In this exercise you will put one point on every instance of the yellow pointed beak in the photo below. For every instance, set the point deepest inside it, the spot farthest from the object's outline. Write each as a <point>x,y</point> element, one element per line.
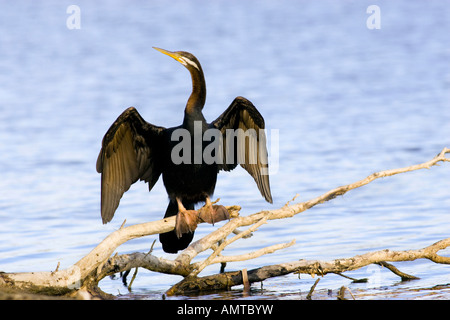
<point>174,55</point>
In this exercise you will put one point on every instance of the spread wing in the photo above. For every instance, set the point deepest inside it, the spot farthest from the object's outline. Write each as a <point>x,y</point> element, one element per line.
<point>130,150</point>
<point>244,142</point>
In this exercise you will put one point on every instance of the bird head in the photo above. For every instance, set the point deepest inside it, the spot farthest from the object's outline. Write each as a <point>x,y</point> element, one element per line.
<point>185,58</point>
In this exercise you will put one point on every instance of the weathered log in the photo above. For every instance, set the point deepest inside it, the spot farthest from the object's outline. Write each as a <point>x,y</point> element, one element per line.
<point>226,280</point>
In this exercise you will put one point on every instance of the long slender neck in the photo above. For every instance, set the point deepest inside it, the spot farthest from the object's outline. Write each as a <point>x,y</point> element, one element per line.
<point>197,98</point>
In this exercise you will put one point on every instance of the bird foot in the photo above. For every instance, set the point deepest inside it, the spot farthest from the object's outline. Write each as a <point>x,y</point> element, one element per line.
<point>186,221</point>
<point>213,213</point>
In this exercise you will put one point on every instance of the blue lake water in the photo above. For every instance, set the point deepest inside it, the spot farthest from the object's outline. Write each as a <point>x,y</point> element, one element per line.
<point>346,101</point>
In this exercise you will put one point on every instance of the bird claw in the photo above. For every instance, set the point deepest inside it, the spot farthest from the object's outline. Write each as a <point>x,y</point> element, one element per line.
<point>186,221</point>
<point>213,213</point>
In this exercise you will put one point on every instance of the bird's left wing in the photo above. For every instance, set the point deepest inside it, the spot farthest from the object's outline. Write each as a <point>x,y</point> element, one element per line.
<point>130,151</point>
<point>244,142</point>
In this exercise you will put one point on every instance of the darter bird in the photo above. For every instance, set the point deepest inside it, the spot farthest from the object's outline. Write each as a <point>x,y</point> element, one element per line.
<point>133,149</point>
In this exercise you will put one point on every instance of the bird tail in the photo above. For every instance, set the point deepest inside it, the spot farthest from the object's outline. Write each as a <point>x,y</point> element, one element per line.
<point>169,240</point>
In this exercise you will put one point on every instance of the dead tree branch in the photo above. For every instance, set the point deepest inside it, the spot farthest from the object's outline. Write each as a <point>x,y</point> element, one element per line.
<point>312,267</point>
<point>86,273</point>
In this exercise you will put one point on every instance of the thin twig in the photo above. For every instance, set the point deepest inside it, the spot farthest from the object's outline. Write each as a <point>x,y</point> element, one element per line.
<point>354,280</point>
<point>151,248</point>
<point>402,275</point>
<point>308,297</point>
<point>245,281</point>
<point>341,294</point>
<point>132,278</point>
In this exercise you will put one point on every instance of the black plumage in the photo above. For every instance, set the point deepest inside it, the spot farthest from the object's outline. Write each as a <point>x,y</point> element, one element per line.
<point>133,149</point>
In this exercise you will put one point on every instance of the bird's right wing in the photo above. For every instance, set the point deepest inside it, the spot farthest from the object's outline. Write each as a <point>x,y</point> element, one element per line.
<point>251,151</point>
<point>130,151</point>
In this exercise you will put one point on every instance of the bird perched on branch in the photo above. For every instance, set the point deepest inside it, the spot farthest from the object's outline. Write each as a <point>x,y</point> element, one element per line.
<point>133,149</point>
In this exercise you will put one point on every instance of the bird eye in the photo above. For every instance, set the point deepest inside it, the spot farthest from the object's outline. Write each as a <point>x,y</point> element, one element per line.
<point>187,61</point>
<point>183,61</point>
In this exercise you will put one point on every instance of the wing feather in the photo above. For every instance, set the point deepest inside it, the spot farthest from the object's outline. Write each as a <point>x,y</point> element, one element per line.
<point>130,151</point>
<point>249,146</point>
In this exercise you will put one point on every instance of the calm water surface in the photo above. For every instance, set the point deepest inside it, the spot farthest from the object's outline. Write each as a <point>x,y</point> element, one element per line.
<point>347,101</point>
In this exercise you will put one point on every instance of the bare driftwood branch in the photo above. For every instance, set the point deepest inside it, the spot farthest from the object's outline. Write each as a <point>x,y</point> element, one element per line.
<point>311,267</point>
<point>86,273</point>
